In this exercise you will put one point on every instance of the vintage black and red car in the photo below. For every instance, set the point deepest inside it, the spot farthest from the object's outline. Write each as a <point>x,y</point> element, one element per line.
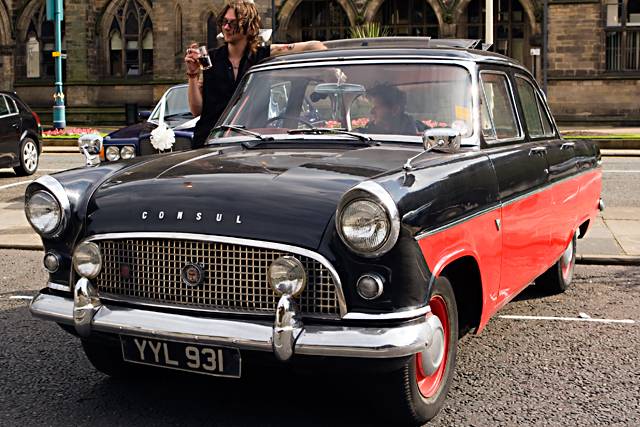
<point>429,188</point>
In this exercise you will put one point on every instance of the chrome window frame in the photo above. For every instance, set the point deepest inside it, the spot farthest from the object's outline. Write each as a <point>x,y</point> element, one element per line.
<point>469,65</point>
<point>516,114</point>
<point>540,102</point>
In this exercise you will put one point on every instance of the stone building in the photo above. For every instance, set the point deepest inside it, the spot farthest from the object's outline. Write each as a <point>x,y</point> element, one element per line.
<point>130,51</point>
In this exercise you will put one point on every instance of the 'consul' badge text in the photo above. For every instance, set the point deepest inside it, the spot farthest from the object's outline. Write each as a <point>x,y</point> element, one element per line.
<point>195,216</point>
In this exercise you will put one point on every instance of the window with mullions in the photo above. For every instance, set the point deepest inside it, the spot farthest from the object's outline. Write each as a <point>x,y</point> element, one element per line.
<point>622,35</point>
<point>321,20</point>
<point>41,44</point>
<point>408,18</point>
<point>131,41</point>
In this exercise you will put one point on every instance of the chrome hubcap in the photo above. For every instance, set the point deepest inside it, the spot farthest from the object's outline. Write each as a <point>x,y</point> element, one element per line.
<point>433,355</point>
<point>30,156</point>
<point>566,263</point>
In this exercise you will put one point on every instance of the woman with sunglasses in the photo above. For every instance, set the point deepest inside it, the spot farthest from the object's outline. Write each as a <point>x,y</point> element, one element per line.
<point>239,23</point>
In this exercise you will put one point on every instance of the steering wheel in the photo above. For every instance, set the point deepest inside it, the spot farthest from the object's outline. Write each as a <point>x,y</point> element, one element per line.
<point>297,119</point>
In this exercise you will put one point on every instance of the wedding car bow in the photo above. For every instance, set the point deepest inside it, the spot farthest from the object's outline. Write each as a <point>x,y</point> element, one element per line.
<point>162,137</point>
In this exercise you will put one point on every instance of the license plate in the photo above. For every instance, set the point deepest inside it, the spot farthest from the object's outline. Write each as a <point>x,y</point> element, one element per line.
<point>202,359</point>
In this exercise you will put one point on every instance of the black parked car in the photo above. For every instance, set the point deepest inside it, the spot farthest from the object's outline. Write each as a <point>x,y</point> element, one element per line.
<point>20,133</point>
<point>428,190</point>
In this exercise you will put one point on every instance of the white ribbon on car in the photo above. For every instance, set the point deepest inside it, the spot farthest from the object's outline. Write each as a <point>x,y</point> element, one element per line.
<point>162,137</point>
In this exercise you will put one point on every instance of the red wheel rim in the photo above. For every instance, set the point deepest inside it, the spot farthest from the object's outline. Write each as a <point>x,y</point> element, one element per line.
<point>429,384</point>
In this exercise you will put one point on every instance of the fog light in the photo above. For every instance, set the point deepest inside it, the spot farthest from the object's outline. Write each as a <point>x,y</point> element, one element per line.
<point>87,260</point>
<point>127,152</point>
<point>287,276</point>
<point>370,286</point>
<point>51,262</point>
<point>112,153</point>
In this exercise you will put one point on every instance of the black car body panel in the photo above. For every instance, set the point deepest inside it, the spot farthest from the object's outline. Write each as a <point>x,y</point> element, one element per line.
<point>15,126</point>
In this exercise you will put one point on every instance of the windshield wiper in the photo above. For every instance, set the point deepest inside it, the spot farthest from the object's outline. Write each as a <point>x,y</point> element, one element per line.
<point>184,113</point>
<point>340,131</point>
<point>241,129</point>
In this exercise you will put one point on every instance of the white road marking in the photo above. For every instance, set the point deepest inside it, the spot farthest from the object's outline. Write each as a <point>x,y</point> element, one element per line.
<point>621,171</point>
<point>52,170</point>
<point>15,184</point>
<point>570,319</point>
<point>22,297</point>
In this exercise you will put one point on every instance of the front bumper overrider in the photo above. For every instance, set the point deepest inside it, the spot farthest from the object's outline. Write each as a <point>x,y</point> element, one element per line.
<point>287,337</point>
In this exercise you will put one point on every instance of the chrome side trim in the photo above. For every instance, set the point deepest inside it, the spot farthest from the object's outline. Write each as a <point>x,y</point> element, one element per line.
<point>459,221</point>
<point>381,195</point>
<point>516,199</point>
<point>238,241</point>
<point>58,287</point>
<point>58,191</point>
<point>398,315</point>
<point>326,340</point>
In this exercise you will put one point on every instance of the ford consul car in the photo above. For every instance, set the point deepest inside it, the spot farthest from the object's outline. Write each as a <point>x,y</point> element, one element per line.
<point>427,187</point>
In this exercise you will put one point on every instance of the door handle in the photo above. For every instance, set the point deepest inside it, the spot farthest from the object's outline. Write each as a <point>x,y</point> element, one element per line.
<point>15,125</point>
<point>567,145</point>
<point>538,151</point>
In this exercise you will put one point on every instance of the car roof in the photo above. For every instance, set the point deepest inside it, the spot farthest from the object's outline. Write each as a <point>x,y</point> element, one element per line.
<point>424,47</point>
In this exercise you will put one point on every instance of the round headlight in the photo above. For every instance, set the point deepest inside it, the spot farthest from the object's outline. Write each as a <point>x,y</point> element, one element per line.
<point>287,276</point>
<point>43,212</point>
<point>364,225</point>
<point>87,260</point>
<point>127,152</point>
<point>112,153</point>
<point>51,262</point>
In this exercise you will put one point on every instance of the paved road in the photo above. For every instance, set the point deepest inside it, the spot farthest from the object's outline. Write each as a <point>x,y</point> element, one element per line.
<point>517,372</point>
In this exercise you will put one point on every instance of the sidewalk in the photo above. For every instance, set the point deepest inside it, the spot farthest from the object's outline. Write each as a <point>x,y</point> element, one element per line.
<point>614,238</point>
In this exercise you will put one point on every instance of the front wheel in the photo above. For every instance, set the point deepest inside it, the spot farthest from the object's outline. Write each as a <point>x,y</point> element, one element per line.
<point>558,278</point>
<point>29,157</point>
<point>416,394</point>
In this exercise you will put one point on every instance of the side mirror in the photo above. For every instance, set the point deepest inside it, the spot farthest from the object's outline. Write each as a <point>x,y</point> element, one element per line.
<point>90,145</point>
<point>144,115</point>
<point>446,140</point>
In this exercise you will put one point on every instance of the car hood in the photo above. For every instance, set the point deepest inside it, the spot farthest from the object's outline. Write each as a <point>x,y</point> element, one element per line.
<point>280,195</point>
<point>132,131</point>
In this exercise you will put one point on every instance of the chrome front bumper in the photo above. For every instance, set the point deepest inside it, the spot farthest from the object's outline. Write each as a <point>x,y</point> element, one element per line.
<point>90,315</point>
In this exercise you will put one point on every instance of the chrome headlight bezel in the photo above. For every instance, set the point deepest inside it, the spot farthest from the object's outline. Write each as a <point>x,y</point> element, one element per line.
<point>127,152</point>
<point>50,185</point>
<point>374,193</point>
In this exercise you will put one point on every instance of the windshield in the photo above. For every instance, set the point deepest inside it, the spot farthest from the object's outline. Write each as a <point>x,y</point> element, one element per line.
<point>387,101</point>
<point>176,105</point>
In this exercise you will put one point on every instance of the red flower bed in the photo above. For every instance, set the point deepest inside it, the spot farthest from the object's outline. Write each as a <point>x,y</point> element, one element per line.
<point>71,132</point>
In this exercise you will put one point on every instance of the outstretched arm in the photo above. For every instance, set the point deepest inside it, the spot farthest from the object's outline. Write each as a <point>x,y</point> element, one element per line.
<point>277,49</point>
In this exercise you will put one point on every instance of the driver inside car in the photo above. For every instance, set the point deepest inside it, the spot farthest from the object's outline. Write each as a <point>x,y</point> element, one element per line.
<point>388,112</point>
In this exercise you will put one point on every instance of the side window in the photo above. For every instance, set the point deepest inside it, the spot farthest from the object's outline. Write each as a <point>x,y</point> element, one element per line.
<point>534,112</point>
<point>4,109</point>
<point>499,106</point>
<point>13,108</point>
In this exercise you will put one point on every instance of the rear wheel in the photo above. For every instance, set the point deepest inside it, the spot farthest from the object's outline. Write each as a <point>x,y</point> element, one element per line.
<point>558,278</point>
<point>415,394</point>
<point>29,157</point>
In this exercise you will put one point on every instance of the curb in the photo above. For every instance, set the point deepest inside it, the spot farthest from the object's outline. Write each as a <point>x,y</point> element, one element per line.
<point>608,260</point>
<point>22,247</point>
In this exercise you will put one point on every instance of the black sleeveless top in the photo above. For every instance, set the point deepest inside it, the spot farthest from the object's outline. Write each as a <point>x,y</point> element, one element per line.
<point>218,87</point>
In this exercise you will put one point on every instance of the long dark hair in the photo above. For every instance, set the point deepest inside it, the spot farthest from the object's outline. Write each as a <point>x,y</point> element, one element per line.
<point>249,21</point>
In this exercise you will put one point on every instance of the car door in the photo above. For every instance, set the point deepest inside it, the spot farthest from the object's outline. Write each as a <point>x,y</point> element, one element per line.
<point>522,171</point>
<point>9,133</point>
<point>562,162</point>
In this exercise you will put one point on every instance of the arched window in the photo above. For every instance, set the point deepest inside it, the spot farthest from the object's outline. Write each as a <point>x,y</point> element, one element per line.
<point>318,20</point>
<point>39,61</point>
<point>623,35</point>
<point>131,41</point>
<point>408,18</point>
<point>509,23</point>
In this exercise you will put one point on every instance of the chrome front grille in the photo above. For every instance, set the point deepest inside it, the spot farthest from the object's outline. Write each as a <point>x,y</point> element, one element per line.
<point>149,271</point>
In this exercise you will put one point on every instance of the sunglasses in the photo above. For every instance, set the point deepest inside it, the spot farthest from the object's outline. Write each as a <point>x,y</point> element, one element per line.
<point>233,24</point>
